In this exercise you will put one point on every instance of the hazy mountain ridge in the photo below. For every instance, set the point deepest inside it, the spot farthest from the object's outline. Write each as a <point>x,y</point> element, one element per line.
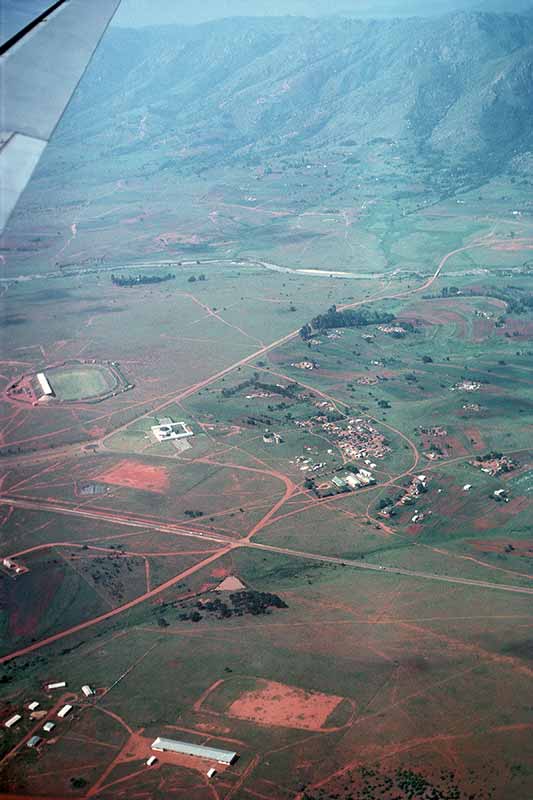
<point>142,12</point>
<point>246,89</point>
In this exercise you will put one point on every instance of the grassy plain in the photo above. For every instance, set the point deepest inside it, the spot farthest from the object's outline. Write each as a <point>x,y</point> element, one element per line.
<point>120,535</point>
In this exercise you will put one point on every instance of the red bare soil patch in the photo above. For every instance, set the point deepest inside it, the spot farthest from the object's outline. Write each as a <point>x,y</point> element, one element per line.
<point>24,617</point>
<point>206,587</point>
<point>485,523</point>
<point>219,572</point>
<point>475,438</point>
<point>454,446</point>
<point>415,529</point>
<point>96,431</point>
<point>431,313</point>
<point>515,244</point>
<point>482,329</point>
<point>211,727</point>
<point>171,237</point>
<point>501,513</point>
<point>286,706</point>
<point>517,328</point>
<point>522,548</point>
<point>136,475</point>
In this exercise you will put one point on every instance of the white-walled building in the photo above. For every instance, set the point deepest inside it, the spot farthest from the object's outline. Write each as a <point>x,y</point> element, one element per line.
<point>162,745</point>
<point>43,382</point>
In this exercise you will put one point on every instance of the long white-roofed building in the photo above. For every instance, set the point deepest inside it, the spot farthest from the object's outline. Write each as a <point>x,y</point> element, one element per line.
<point>162,745</point>
<point>43,383</point>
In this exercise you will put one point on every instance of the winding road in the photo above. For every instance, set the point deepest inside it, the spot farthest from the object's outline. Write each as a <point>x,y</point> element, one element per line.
<point>227,543</point>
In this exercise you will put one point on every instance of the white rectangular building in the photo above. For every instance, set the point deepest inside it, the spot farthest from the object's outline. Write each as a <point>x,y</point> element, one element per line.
<point>43,382</point>
<point>32,706</point>
<point>187,748</point>
<point>57,685</point>
<point>171,430</point>
<point>49,726</point>
<point>353,481</point>
<point>87,691</point>
<point>64,711</point>
<point>12,720</point>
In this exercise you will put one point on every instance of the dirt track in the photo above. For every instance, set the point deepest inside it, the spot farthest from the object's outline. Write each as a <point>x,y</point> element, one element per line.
<point>229,544</point>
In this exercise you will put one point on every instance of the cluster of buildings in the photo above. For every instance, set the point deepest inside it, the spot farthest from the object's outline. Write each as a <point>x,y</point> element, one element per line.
<point>417,486</point>
<point>305,365</point>
<point>494,464</point>
<point>36,713</point>
<point>435,430</point>
<point>392,330</point>
<point>466,386</point>
<point>370,380</point>
<point>305,464</point>
<point>472,408</point>
<point>259,395</point>
<point>357,438</point>
<point>269,437</point>
<point>12,567</point>
<point>160,745</point>
<point>354,480</point>
<point>325,405</point>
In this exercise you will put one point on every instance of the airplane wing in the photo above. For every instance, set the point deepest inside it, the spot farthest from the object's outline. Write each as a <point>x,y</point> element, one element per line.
<point>45,48</point>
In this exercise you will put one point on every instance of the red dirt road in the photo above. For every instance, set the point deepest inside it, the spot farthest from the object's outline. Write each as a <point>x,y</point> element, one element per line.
<point>109,614</point>
<point>132,521</point>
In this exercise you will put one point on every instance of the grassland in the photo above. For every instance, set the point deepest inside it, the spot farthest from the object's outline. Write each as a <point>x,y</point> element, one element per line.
<point>122,537</point>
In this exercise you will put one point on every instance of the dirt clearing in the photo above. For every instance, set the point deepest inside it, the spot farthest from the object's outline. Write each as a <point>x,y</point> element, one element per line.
<point>136,475</point>
<point>287,706</point>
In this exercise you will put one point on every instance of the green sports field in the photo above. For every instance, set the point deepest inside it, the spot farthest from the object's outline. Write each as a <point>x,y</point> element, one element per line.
<point>80,382</point>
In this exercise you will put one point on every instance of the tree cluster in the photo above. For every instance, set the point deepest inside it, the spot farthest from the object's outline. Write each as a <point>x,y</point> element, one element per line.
<point>240,603</point>
<point>349,318</point>
<point>140,280</point>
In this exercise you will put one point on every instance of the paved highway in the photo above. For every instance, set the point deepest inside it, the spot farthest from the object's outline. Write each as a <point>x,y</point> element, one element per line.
<point>140,522</point>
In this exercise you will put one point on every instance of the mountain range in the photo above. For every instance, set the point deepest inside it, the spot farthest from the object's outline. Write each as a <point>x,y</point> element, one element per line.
<point>456,89</point>
<point>139,13</point>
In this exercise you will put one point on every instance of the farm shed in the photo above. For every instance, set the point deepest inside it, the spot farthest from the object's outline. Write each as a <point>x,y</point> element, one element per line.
<point>33,742</point>
<point>43,381</point>
<point>187,748</point>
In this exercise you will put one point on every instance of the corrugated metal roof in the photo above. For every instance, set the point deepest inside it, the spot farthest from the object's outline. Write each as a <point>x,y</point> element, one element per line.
<point>187,748</point>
